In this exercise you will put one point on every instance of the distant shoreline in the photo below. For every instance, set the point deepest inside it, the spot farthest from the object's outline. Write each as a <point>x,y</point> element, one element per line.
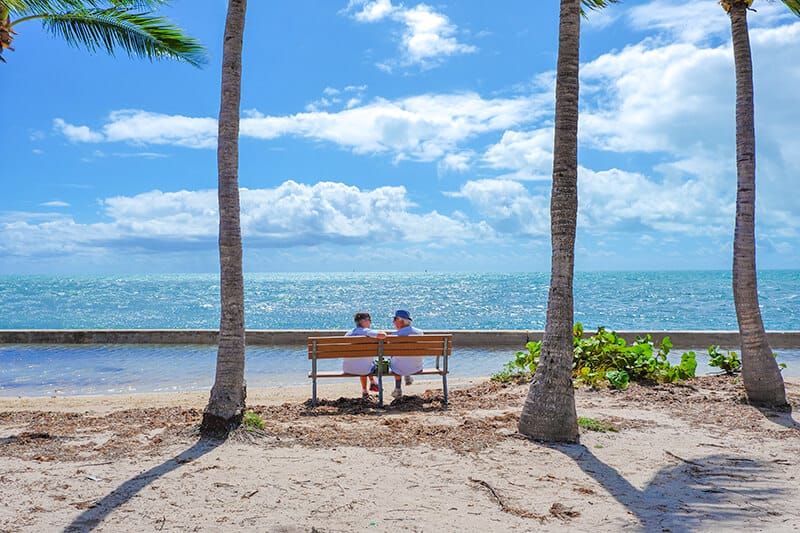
<point>294,337</point>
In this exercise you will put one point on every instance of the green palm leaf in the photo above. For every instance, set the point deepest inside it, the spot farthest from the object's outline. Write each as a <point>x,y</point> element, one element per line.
<point>596,4</point>
<point>139,34</point>
<point>793,5</point>
<point>108,25</point>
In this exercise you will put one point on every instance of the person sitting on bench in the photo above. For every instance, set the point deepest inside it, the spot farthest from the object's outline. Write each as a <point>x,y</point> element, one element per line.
<point>363,365</point>
<point>404,366</point>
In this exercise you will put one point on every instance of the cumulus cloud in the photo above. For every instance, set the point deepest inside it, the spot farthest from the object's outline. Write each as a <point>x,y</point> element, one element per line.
<point>421,128</point>
<point>674,104</point>
<point>659,99</point>
<point>428,37</point>
<point>290,215</point>
<point>77,133</point>
<point>528,153</point>
<point>456,162</point>
<point>371,11</point>
<point>143,127</point>
<point>614,200</point>
<point>699,21</point>
<point>508,206</point>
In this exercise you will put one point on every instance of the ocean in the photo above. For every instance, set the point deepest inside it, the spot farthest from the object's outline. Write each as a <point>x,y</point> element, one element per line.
<point>688,300</point>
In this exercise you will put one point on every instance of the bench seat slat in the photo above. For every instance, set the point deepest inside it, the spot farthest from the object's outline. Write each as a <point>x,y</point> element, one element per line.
<point>340,374</point>
<point>329,352</point>
<point>411,351</point>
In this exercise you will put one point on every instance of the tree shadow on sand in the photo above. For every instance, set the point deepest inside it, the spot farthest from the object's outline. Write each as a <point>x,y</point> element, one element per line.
<point>781,416</point>
<point>697,494</point>
<point>92,517</point>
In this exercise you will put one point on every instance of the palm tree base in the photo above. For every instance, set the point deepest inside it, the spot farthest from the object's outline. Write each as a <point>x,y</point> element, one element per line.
<point>217,426</point>
<point>549,413</point>
<point>764,393</point>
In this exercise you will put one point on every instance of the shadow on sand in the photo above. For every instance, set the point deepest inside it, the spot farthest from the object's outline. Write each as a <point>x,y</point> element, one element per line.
<point>92,517</point>
<point>697,494</point>
<point>782,417</point>
<point>369,406</point>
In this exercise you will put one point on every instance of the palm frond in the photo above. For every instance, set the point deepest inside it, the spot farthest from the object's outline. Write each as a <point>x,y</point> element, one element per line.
<point>139,34</point>
<point>793,5</point>
<point>595,5</point>
<point>43,7</point>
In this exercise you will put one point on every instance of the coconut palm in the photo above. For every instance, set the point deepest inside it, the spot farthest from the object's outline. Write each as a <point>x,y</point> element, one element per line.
<point>549,411</point>
<point>103,24</point>
<point>227,401</point>
<point>762,377</point>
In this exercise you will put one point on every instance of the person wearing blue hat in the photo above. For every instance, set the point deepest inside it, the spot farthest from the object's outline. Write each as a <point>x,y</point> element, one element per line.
<point>404,366</point>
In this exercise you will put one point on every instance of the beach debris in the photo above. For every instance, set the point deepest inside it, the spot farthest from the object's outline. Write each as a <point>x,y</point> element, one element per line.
<point>86,504</point>
<point>562,512</point>
<point>522,513</point>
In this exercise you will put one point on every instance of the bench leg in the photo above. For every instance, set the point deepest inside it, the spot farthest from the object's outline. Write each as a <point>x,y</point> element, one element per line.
<point>314,392</point>
<point>444,386</point>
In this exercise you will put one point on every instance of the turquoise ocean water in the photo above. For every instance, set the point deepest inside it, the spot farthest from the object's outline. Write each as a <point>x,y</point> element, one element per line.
<point>697,300</point>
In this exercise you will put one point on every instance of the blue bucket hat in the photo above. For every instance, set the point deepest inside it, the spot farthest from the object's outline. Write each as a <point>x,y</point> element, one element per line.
<point>402,313</point>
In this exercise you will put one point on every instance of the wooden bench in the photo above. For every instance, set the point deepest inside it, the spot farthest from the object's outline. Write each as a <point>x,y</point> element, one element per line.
<point>439,346</point>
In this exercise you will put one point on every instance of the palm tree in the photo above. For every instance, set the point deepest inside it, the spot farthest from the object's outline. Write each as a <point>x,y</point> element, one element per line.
<point>227,401</point>
<point>549,411</point>
<point>103,24</point>
<point>762,377</point>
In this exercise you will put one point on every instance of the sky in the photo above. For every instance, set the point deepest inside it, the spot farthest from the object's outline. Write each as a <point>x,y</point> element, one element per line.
<point>386,136</point>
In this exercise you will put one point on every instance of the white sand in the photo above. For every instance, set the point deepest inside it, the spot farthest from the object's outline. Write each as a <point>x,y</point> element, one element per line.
<point>700,462</point>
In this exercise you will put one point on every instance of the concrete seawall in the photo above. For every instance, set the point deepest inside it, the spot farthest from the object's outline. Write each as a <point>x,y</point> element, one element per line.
<point>514,339</point>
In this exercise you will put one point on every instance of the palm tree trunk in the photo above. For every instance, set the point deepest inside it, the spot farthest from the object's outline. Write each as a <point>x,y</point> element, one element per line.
<point>227,402</point>
<point>760,373</point>
<point>549,411</point>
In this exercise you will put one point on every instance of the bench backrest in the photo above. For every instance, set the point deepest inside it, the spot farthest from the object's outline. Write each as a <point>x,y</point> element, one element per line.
<point>412,345</point>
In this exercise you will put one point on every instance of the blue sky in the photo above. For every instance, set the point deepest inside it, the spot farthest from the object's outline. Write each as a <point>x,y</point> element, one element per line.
<point>387,136</point>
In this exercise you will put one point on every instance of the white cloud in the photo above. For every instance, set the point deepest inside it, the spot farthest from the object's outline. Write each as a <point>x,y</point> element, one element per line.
<point>456,162</point>
<point>142,127</point>
<point>371,11</point>
<point>77,133</point>
<point>507,206</point>
<point>528,153</point>
<point>156,128</point>
<point>656,99</point>
<point>690,21</point>
<point>428,36</point>
<point>613,201</point>
<point>673,105</point>
<point>422,128</point>
<point>351,94</point>
<point>54,203</point>
<point>699,21</point>
<point>290,215</point>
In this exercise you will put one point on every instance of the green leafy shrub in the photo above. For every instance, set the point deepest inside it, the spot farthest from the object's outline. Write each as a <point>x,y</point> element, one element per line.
<point>592,424</point>
<point>730,363</point>
<point>605,359</point>
<point>251,421</point>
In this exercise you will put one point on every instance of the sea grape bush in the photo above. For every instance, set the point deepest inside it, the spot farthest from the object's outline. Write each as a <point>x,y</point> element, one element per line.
<point>729,363</point>
<point>605,359</point>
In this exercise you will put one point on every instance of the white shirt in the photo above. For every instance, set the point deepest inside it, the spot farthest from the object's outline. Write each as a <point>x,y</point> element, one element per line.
<point>405,366</point>
<point>360,366</point>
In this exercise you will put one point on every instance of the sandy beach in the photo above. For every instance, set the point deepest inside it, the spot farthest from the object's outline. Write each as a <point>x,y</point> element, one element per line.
<point>684,457</point>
